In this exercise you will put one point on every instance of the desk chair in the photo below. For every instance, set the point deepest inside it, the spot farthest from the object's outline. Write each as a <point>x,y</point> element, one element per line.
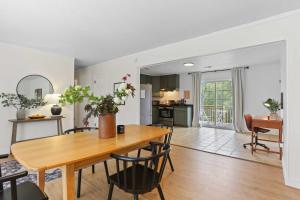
<point>78,130</point>
<point>23,191</point>
<point>256,130</point>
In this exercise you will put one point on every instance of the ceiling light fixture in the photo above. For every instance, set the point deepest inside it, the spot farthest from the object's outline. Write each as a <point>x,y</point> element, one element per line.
<point>189,64</point>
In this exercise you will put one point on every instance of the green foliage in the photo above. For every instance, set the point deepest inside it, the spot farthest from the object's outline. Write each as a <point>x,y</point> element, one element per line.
<point>74,94</point>
<point>102,105</point>
<point>217,93</point>
<point>19,101</point>
<point>272,105</point>
<point>98,105</point>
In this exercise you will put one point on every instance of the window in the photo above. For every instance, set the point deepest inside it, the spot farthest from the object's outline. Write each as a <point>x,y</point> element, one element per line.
<point>216,104</point>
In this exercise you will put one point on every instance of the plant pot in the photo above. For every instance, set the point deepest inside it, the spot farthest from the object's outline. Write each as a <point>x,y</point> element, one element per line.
<point>107,126</point>
<point>21,114</point>
<point>274,115</point>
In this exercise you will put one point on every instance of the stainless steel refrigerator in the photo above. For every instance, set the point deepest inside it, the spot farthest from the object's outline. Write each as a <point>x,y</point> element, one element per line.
<point>146,104</point>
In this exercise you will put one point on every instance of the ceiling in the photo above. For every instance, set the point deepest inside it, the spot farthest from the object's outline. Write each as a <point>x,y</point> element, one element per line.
<point>98,30</point>
<point>267,53</point>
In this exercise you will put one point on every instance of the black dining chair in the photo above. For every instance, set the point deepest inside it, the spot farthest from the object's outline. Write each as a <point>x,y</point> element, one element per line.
<point>78,130</point>
<point>140,175</point>
<point>167,140</point>
<point>23,191</point>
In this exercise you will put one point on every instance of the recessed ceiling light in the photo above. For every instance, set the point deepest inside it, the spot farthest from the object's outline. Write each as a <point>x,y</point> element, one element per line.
<point>189,64</point>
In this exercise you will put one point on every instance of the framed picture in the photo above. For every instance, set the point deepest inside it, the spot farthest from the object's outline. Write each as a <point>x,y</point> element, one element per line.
<point>116,86</point>
<point>38,94</point>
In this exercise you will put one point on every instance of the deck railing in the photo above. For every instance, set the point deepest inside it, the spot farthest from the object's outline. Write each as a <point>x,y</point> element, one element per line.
<point>216,116</point>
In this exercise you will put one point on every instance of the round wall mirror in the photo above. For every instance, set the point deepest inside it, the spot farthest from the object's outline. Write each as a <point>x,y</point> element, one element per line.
<point>34,87</point>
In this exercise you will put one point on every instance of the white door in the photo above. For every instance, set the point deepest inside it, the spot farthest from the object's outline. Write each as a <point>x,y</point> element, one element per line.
<point>146,104</point>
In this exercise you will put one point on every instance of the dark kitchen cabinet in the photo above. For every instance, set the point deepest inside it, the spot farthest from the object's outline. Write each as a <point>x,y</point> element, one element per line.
<point>155,115</point>
<point>156,86</point>
<point>183,116</point>
<point>145,79</point>
<point>169,82</point>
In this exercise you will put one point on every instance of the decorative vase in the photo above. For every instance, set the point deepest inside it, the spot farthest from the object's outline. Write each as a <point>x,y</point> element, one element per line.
<point>21,114</point>
<point>274,115</point>
<point>107,125</point>
<point>56,110</point>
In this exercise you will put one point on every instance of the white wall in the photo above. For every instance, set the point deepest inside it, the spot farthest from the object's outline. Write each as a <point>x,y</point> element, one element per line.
<point>284,27</point>
<point>262,82</point>
<point>17,62</point>
<point>186,83</point>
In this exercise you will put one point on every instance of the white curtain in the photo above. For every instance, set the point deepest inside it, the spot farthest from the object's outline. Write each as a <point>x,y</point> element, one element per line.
<point>196,98</point>
<point>238,86</point>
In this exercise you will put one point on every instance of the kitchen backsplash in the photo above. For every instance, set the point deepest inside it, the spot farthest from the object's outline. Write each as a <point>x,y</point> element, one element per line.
<point>171,95</point>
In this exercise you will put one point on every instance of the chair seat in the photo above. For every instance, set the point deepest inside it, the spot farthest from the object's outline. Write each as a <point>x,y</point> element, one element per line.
<point>140,188</point>
<point>25,191</point>
<point>260,130</point>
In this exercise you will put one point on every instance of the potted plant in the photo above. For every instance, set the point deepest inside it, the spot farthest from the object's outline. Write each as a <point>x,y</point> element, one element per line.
<point>273,106</point>
<point>20,102</point>
<point>104,107</point>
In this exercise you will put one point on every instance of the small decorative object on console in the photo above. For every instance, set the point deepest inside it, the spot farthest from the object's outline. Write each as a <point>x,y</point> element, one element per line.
<point>37,116</point>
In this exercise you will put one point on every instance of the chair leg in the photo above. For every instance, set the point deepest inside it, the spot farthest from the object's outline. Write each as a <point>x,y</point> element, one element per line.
<point>136,197</point>
<point>106,172</point>
<point>93,169</point>
<point>161,194</point>
<point>79,183</point>
<point>139,153</point>
<point>111,188</point>
<point>171,163</point>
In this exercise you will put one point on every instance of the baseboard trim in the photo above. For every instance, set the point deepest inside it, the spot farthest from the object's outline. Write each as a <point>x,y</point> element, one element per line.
<point>292,183</point>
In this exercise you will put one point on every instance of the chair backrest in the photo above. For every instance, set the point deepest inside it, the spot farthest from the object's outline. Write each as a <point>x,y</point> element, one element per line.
<point>80,129</point>
<point>156,163</point>
<point>248,120</point>
<point>168,137</point>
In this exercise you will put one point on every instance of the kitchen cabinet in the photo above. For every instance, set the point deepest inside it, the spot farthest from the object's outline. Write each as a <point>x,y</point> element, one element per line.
<point>155,115</point>
<point>156,86</point>
<point>145,79</point>
<point>183,115</point>
<point>169,82</point>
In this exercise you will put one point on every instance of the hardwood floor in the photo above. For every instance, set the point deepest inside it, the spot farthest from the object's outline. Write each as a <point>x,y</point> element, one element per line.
<point>198,176</point>
<point>225,142</point>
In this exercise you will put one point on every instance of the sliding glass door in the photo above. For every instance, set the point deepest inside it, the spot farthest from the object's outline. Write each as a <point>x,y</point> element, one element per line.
<point>216,104</point>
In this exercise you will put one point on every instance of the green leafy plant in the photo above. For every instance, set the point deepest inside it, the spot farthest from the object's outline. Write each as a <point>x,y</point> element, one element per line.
<point>98,105</point>
<point>74,94</point>
<point>20,102</point>
<point>272,105</point>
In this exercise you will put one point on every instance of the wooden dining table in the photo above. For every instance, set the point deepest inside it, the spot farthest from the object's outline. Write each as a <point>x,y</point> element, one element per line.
<point>76,151</point>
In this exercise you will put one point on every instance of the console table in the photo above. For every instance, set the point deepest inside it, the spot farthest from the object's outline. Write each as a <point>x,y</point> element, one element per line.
<point>15,122</point>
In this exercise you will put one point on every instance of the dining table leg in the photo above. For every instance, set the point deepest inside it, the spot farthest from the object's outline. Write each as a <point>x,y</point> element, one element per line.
<point>41,179</point>
<point>68,182</point>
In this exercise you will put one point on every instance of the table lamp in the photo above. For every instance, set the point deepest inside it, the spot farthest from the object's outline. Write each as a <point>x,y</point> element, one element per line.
<point>53,99</point>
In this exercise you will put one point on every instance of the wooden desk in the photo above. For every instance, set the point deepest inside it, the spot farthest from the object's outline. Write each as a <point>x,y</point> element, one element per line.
<point>15,122</point>
<point>265,122</point>
<point>75,151</point>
